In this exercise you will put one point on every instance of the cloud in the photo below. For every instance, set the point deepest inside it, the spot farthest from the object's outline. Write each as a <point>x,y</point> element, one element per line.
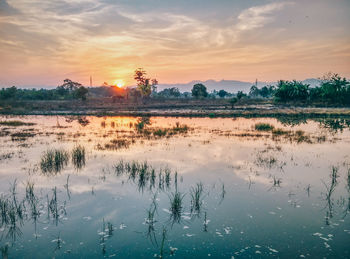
<point>108,38</point>
<point>257,16</point>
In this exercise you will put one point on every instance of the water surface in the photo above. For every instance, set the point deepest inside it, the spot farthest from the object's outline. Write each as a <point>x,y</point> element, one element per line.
<point>259,193</point>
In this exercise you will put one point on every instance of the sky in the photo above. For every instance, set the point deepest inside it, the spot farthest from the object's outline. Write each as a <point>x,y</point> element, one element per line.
<point>44,42</point>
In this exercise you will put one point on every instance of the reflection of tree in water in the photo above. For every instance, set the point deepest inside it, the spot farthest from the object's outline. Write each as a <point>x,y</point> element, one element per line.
<point>331,124</point>
<point>347,204</point>
<point>82,120</point>
<point>329,194</point>
<point>292,120</point>
<point>335,125</point>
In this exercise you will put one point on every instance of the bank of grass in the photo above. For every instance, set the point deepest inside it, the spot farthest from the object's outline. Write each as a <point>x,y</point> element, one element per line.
<point>16,123</point>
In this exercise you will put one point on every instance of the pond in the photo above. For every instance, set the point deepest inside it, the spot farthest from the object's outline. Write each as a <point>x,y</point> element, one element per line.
<point>129,187</point>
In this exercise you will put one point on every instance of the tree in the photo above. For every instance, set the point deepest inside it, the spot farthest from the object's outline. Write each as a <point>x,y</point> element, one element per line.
<point>291,91</point>
<point>144,85</point>
<point>67,87</point>
<point>222,93</point>
<point>80,93</point>
<point>240,95</point>
<point>254,91</point>
<point>8,93</point>
<point>233,101</point>
<point>170,92</point>
<point>335,89</point>
<point>199,90</point>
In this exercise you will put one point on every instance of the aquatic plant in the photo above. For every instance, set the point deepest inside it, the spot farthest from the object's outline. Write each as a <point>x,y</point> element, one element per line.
<point>329,192</point>
<point>167,176</point>
<point>78,157</point>
<point>53,161</point>
<point>263,127</point>
<point>115,144</point>
<point>16,123</point>
<point>176,206</point>
<point>279,132</point>
<point>160,132</point>
<point>205,223</point>
<point>30,191</point>
<point>196,198</point>
<point>299,136</point>
<point>21,136</point>
<point>223,193</point>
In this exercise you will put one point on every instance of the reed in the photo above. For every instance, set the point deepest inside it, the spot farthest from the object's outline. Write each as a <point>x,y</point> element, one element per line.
<point>263,127</point>
<point>53,161</point>
<point>176,200</point>
<point>78,157</point>
<point>196,198</point>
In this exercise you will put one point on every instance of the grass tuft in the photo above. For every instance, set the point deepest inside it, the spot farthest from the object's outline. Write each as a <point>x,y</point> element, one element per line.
<point>53,161</point>
<point>263,127</point>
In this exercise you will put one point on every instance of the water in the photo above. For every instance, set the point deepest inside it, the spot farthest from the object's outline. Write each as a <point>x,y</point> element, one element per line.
<point>262,194</point>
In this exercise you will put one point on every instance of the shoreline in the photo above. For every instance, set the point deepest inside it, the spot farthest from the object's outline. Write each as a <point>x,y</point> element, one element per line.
<point>239,112</point>
<point>171,108</point>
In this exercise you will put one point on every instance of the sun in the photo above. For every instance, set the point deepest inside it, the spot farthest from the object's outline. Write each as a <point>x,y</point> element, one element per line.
<point>120,83</point>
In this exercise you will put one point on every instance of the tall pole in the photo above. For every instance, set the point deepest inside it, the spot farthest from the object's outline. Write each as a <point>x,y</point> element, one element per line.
<point>90,81</point>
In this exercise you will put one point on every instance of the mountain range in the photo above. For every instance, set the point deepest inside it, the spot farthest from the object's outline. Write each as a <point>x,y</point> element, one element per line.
<point>232,86</point>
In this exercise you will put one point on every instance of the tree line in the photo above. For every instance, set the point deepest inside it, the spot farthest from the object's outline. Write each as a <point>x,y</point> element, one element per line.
<point>67,91</point>
<point>333,90</point>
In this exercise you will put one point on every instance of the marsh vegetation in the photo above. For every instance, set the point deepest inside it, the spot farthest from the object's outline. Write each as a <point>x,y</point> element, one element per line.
<point>165,185</point>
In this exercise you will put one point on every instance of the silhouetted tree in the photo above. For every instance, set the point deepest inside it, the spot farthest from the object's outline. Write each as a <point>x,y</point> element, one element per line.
<point>222,93</point>
<point>291,91</point>
<point>81,93</point>
<point>144,85</point>
<point>240,95</point>
<point>233,101</point>
<point>199,90</point>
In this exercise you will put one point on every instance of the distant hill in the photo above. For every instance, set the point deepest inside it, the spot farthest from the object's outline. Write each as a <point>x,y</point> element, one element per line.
<point>232,86</point>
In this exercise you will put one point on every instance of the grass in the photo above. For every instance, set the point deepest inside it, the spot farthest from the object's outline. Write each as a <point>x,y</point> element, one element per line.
<point>115,144</point>
<point>176,206</point>
<point>279,132</point>
<point>143,174</point>
<point>53,161</point>
<point>78,157</point>
<point>196,198</point>
<point>21,136</point>
<point>263,127</point>
<point>16,123</point>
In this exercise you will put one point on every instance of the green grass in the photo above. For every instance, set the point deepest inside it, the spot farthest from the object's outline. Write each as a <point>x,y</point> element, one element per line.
<point>176,206</point>
<point>263,127</point>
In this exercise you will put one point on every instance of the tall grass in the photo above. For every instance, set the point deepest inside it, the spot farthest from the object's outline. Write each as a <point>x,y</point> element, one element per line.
<point>263,127</point>
<point>176,206</point>
<point>196,198</point>
<point>53,161</point>
<point>78,157</point>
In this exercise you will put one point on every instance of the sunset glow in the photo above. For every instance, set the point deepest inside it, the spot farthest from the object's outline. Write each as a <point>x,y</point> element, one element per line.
<point>120,83</point>
<point>44,42</point>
